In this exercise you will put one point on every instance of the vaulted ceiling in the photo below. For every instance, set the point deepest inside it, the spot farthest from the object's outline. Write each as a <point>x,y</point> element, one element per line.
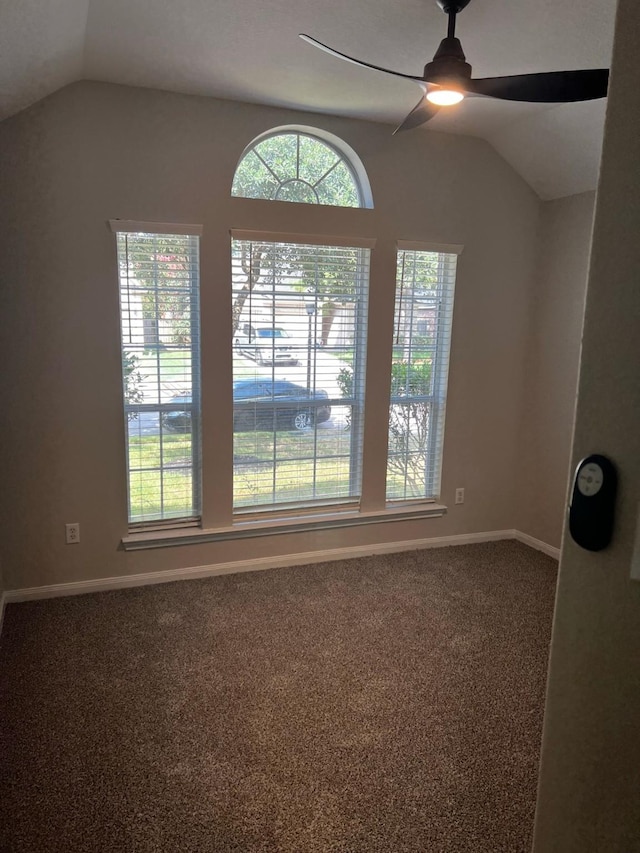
<point>250,51</point>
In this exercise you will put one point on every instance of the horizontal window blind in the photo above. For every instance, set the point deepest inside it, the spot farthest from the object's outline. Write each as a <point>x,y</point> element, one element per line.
<point>159,295</point>
<point>299,334</point>
<point>132,226</point>
<point>350,241</point>
<point>425,285</point>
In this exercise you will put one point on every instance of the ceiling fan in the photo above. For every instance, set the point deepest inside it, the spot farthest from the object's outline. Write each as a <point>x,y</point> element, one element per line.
<point>447,78</point>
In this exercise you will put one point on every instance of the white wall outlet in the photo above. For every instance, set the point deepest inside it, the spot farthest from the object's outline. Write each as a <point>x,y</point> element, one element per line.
<point>72,532</point>
<point>459,496</point>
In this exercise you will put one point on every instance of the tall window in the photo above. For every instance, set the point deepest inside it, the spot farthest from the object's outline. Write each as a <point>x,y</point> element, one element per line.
<point>422,333</point>
<point>159,277</point>
<point>298,167</point>
<point>299,331</point>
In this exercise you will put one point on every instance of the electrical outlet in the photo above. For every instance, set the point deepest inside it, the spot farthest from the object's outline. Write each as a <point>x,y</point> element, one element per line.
<point>459,496</point>
<point>72,532</point>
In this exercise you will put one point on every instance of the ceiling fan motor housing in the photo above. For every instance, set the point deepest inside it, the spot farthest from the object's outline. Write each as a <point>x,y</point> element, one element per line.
<point>448,65</point>
<point>452,7</point>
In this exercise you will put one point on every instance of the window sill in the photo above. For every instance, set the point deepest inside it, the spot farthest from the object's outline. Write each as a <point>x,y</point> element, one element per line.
<point>262,527</point>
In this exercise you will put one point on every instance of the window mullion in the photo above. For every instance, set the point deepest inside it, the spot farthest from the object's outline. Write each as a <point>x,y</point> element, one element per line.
<point>216,372</point>
<point>380,336</point>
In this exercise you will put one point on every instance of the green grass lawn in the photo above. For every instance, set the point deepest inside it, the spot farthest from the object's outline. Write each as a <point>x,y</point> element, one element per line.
<point>267,466</point>
<point>166,366</point>
<point>292,481</point>
<point>280,466</point>
<point>146,451</point>
<point>175,363</point>
<point>155,493</point>
<point>258,479</point>
<point>262,446</point>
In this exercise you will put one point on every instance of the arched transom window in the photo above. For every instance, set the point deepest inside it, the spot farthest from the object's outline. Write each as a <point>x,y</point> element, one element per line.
<point>299,167</point>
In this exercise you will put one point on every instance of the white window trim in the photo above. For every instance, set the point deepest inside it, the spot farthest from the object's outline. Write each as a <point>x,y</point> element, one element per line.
<point>322,240</point>
<point>132,226</point>
<point>345,151</point>
<point>438,397</point>
<point>303,239</point>
<point>330,517</point>
<point>281,525</point>
<point>269,524</point>
<point>421,246</point>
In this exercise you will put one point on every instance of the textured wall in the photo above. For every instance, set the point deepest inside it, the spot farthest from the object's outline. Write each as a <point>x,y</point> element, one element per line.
<point>553,355</point>
<point>92,152</point>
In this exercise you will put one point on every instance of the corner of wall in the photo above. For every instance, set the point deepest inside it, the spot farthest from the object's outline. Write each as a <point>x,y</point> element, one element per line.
<point>551,370</point>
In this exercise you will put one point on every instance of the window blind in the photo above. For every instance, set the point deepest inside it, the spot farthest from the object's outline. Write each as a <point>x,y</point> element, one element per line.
<point>425,284</point>
<point>299,335</point>
<point>159,296</point>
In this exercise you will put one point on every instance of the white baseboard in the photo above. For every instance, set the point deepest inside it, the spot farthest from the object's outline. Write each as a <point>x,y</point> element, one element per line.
<point>3,601</point>
<point>538,544</point>
<point>126,581</point>
<point>257,564</point>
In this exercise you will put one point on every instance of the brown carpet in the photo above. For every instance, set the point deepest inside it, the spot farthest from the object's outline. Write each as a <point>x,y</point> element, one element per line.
<point>390,704</point>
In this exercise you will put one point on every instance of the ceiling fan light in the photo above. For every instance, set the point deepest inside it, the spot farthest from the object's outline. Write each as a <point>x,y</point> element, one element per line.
<point>444,97</point>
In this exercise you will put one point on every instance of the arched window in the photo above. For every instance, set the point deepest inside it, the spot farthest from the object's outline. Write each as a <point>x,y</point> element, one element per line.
<point>296,165</point>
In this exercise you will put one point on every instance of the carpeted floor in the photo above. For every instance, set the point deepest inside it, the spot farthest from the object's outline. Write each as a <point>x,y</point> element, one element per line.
<point>382,704</point>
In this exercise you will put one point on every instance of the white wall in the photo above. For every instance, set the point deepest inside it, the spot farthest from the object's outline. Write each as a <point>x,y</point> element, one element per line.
<point>92,152</point>
<point>553,356</point>
<point>590,772</point>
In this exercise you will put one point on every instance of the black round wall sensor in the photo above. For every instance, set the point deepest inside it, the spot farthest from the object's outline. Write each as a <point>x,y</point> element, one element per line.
<point>592,506</point>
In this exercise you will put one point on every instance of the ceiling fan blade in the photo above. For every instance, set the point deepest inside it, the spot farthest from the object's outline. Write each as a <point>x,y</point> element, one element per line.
<point>337,53</point>
<point>422,112</point>
<point>552,87</point>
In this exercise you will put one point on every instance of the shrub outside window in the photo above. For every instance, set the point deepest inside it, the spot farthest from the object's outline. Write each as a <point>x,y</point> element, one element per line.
<point>425,284</point>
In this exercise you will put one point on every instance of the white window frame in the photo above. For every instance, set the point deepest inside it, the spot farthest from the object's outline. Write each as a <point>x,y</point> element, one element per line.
<point>221,524</point>
<point>432,453</point>
<point>119,227</point>
<point>346,154</point>
<point>356,401</point>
